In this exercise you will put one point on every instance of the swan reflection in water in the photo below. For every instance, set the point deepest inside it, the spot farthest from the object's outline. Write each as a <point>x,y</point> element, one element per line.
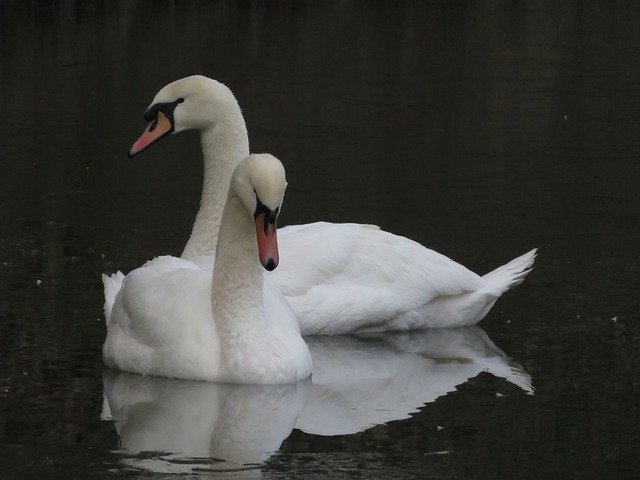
<point>357,382</point>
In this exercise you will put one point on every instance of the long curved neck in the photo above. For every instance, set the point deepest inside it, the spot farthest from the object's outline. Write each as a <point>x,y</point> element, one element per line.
<point>237,296</point>
<point>223,146</point>
<point>259,339</point>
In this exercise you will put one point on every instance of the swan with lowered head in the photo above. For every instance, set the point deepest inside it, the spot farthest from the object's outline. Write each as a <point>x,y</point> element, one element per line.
<point>171,319</point>
<point>362,279</point>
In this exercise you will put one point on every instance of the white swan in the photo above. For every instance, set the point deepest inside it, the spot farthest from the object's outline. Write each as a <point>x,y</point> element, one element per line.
<point>166,320</point>
<point>338,278</point>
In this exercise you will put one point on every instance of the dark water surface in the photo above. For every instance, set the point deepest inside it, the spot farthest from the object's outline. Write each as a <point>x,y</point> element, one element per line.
<point>481,130</point>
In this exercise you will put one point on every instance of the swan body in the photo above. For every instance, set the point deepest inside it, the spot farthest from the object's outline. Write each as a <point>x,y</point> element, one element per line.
<point>364,279</point>
<point>338,278</point>
<point>170,318</point>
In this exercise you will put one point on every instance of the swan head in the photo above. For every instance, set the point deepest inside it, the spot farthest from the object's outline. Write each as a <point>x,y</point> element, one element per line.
<point>259,182</point>
<point>194,102</point>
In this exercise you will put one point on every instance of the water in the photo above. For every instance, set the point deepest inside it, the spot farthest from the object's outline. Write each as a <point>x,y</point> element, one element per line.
<point>481,130</point>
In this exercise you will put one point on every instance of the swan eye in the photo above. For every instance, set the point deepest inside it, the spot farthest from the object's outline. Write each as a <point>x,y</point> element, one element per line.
<point>180,100</point>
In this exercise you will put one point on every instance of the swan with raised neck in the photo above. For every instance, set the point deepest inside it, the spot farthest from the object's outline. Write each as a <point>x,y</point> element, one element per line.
<point>247,332</point>
<point>361,278</point>
<point>206,105</point>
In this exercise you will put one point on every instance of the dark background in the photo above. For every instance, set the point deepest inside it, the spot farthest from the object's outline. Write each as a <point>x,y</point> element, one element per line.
<point>480,129</point>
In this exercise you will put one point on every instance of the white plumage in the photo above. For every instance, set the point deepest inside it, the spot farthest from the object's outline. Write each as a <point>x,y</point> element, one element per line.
<point>341,278</point>
<point>169,317</point>
<point>338,278</point>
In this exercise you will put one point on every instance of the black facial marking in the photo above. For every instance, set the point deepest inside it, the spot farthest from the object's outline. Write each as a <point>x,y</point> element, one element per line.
<point>271,215</point>
<point>167,108</point>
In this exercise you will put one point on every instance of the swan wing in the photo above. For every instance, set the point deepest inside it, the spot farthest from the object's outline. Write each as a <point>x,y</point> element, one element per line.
<point>161,324</point>
<point>341,278</point>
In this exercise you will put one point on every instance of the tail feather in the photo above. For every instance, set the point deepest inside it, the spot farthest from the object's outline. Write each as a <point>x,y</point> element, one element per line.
<point>511,274</point>
<point>112,285</point>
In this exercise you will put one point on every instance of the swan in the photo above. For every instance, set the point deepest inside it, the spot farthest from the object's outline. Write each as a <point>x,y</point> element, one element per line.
<point>363,279</point>
<point>174,320</point>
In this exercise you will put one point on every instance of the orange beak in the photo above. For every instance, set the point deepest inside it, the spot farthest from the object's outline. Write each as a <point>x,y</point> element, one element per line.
<point>267,242</point>
<point>157,129</point>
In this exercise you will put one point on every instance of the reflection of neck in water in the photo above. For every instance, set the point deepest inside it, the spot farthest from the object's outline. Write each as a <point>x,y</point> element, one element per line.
<point>357,382</point>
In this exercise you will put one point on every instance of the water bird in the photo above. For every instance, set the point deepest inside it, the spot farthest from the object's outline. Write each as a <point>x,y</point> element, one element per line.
<point>338,278</point>
<point>173,319</point>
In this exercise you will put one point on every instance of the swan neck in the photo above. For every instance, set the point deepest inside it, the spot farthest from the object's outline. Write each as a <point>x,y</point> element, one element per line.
<point>223,146</point>
<point>237,293</point>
